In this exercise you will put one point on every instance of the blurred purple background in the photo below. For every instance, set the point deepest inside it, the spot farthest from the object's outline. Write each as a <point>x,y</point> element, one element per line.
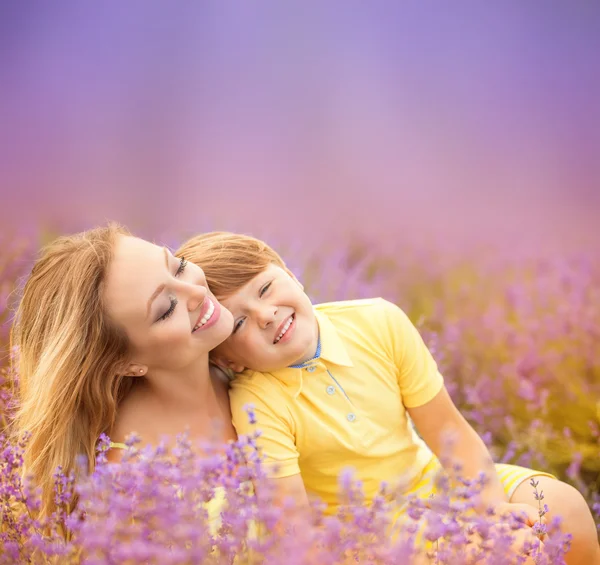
<point>396,120</point>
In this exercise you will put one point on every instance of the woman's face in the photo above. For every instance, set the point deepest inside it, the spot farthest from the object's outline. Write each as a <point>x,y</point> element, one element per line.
<point>164,306</point>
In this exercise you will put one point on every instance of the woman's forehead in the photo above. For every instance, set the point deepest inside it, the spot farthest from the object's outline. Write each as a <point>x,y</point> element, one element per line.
<point>138,267</point>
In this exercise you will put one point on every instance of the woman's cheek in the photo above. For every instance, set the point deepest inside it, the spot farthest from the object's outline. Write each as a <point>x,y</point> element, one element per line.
<point>167,336</point>
<point>183,335</point>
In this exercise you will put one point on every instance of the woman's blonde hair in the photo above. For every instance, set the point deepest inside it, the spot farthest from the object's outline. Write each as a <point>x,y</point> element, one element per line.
<point>229,260</point>
<point>70,356</point>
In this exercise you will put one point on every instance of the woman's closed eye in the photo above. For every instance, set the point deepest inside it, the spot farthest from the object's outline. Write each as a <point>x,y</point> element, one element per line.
<point>173,300</point>
<point>182,265</point>
<point>169,312</point>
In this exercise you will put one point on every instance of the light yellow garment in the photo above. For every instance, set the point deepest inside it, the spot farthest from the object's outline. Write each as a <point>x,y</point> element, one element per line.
<point>347,408</point>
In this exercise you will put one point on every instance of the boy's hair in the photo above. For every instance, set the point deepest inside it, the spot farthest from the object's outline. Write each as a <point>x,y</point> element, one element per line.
<point>229,260</point>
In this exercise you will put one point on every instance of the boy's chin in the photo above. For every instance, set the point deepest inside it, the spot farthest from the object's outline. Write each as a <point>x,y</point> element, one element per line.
<point>298,360</point>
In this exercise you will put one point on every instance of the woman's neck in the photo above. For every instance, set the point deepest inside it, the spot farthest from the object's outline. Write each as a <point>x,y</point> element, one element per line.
<point>167,404</point>
<point>189,387</point>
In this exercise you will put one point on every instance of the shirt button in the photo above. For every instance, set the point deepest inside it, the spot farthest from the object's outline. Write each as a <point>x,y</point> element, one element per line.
<point>351,417</point>
<point>311,369</point>
<point>330,389</point>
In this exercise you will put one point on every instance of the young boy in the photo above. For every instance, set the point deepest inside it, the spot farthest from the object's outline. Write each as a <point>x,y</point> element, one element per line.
<point>337,385</point>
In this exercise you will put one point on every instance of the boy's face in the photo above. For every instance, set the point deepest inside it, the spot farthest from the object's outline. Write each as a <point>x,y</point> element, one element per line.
<point>274,324</point>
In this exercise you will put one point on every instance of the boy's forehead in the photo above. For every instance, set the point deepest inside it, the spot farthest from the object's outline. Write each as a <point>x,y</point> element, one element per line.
<point>272,269</point>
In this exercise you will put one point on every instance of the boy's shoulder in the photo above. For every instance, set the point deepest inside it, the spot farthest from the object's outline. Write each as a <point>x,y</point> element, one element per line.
<point>250,383</point>
<point>375,318</point>
<point>252,379</point>
<point>360,306</point>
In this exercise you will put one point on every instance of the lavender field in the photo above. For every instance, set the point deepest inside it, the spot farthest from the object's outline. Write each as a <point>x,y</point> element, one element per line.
<point>516,333</point>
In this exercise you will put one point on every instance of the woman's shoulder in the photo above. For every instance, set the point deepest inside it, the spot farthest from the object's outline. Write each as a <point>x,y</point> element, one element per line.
<point>135,414</point>
<point>133,417</point>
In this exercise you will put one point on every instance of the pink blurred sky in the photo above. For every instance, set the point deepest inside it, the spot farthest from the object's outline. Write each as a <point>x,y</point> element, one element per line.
<point>390,119</point>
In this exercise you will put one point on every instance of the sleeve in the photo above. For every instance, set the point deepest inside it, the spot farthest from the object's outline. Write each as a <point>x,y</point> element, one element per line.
<point>277,441</point>
<point>418,375</point>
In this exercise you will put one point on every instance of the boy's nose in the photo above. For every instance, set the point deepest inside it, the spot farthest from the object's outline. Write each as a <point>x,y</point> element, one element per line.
<point>266,316</point>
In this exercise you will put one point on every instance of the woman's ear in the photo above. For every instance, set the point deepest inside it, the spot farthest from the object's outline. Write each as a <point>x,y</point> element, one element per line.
<point>134,370</point>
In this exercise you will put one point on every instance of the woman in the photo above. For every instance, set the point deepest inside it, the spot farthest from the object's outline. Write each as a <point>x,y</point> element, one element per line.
<point>114,335</point>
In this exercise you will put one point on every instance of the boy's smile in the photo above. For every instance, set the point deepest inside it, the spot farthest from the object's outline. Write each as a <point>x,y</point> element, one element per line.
<point>274,324</point>
<point>287,328</point>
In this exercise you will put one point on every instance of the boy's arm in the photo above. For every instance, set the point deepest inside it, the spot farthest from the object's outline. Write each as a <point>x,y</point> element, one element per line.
<point>276,441</point>
<point>433,412</point>
<point>449,435</point>
<point>290,488</point>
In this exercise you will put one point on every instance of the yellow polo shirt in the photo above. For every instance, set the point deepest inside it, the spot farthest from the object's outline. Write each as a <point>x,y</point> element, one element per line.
<point>347,408</point>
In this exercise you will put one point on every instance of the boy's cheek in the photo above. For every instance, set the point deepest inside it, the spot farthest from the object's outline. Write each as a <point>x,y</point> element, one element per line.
<point>230,357</point>
<point>242,354</point>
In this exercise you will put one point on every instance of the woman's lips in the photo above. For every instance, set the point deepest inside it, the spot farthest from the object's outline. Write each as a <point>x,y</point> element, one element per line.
<point>209,314</point>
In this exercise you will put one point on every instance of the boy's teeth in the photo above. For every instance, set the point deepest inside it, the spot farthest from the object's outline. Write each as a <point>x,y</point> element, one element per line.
<point>285,328</point>
<point>207,316</point>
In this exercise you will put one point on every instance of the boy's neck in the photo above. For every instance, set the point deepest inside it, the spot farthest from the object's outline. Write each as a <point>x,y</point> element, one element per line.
<point>313,352</point>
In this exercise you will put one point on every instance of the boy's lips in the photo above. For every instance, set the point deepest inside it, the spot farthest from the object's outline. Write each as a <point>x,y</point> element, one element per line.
<point>209,314</point>
<point>285,329</point>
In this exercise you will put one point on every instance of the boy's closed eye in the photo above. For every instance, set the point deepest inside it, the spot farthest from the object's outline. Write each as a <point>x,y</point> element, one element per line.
<point>264,288</point>
<point>238,323</point>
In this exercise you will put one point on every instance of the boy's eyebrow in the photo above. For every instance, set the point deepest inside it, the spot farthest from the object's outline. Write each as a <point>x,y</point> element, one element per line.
<point>160,287</point>
<point>240,300</point>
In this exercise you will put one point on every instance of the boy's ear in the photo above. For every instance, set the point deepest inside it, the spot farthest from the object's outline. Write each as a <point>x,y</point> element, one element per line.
<point>225,363</point>
<point>294,277</point>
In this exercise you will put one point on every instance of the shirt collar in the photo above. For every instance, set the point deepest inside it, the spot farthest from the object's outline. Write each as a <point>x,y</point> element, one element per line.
<point>332,346</point>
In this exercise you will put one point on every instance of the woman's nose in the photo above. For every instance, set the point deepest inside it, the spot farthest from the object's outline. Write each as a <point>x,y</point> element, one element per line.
<point>196,295</point>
